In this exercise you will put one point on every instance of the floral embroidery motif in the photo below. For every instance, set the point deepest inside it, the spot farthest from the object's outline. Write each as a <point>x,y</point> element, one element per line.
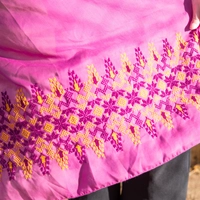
<point>104,110</point>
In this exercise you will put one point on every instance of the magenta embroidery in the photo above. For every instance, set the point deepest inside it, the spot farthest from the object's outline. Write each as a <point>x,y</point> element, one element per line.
<point>104,110</point>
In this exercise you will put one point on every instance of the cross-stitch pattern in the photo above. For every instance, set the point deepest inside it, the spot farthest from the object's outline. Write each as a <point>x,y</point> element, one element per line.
<point>102,110</point>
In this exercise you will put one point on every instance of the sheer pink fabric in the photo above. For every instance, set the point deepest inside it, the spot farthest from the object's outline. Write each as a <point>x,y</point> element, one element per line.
<point>93,93</point>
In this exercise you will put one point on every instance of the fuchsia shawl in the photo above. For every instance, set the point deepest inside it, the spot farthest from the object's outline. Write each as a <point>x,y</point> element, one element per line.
<point>93,93</point>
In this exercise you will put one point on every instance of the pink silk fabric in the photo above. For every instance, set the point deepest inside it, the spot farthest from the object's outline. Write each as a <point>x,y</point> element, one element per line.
<point>93,93</point>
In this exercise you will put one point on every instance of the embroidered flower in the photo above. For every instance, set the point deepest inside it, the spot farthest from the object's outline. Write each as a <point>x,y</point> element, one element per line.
<point>110,106</point>
<point>190,70</point>
<point>185,84</point>
<point>125,111</point>
<point>85,115</point>
<point>171,82</point>
<point>60,123</point>
<point>133,98</point>
<point>152,89</point>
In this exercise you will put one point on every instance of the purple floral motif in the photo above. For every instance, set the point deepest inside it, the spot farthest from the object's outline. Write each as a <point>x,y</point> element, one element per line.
<point>118,93</point>
<point>158,76</point>
<point>74,82</point>
<point>152,89</point>
<point>70,110</point>
<point>141,60</point>
<point>15,135</point>
<point>92,103</point>
<point>29,142</point>
<point>76,129</point>
<point>51,137</point>
<point>165,93</point>
<point>8,146</point>
<point>110,106</point>
<point>133,98</point>
<point>37,124</point>
<point>176,69</point>
<point>101,120</point>
<point>37,130</point>
<point>43,119</point>
<point>125,111</point>
<point>171,82</point>
<point>38,95</point>
<point>60,123</point>
<point>85,115</point>
<point>137,85</point>
<point>185,84</point>
<point>190,70</point>
<point>168,50</point>
<point>147,102</point>
<point>111,72</point>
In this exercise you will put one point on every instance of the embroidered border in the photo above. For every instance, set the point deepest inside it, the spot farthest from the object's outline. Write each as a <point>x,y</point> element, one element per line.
<point>100,111</point>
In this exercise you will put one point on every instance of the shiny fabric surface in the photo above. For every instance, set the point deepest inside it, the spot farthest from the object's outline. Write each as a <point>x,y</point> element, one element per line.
<point>93,93</point>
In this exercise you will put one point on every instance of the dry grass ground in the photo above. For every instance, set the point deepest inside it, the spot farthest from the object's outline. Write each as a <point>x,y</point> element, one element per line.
<point>194,184</point>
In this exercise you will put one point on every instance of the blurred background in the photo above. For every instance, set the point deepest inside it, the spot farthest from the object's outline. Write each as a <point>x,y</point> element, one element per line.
<point>194,176</point>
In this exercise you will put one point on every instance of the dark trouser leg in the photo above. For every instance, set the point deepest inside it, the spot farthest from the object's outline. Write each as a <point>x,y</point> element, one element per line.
<point>167,182</point>
<point>109,193</point>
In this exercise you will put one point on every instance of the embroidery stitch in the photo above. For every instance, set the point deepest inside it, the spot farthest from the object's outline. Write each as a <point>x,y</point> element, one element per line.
<point>104,110</point>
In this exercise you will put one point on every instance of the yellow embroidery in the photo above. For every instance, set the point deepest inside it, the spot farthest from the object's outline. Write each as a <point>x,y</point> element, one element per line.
<point>98,147</point>
<point>98,111</point>
<point>5,137</point>
<point>43,160</point>
<point>181,76</point>
<point>79,149</point>
<point>196,37</point>
<point>181,42</point>
<point>26,166</point>
<point>16,115</point>
<point>126,64</point>
<point>143,93</point>
<point>73,119</point>
<point>33,121</point>
<point>39,98</point>
<point>8,108</point>
<point>134,134</point>
<point>56,88</point>
<point>178,107</point>
<point>93,76</point>
<point>50,108</point>
<point>92,129</point>
<point>149,124</point>
<point>22,101</point>
<point>198,64</point>
<point>1,170</point>
<point>61,157</point>
<point>25,133</point>
<point>122,102</point>
<point>64,133</point>
<point>48,127</point>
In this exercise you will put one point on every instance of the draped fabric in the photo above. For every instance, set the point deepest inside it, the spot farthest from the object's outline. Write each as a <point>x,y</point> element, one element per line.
<point>93,93</point>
